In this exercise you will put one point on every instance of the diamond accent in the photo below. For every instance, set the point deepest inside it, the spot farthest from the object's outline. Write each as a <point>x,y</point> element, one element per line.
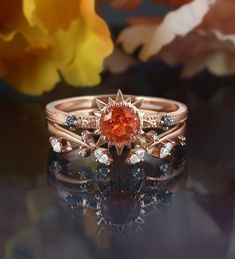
<point>102,155</point>
<point>104,159</point>
<point>99,152</point>
<point>82,151</point>
<point>56,144</point>
<point>140,153</point>
<point>137,156</point>
<point>151,136</point>
<point>155,137</point>
<point>84,137</point>
<point>87,136</point>
<point>134,159</point>
<point>166,150</point>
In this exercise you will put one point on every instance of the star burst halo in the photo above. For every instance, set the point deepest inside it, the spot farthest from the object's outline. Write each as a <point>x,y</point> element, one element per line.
<point>133,123</point>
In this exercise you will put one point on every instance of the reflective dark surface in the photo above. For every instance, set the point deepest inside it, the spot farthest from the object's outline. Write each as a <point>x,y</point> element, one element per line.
<point>119,196</point>
<point>44,218</point>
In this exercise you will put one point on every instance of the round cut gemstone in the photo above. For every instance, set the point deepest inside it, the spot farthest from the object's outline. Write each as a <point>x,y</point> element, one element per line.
<point>71,121</point>
<point>167,121</point>
<point>119,124</point>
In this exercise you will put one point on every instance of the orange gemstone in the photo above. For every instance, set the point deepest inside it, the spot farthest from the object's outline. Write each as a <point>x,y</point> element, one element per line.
<point>119,124</point>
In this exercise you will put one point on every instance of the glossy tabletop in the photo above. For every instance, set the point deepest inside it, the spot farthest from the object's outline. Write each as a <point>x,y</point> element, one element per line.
<point>119,215</point>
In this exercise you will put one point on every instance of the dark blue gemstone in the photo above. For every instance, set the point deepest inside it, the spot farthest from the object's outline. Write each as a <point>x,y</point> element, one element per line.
<point>166,121</point>
<point>71,121</point>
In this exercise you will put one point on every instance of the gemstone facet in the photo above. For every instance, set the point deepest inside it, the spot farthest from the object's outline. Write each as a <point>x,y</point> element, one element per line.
<point>56,144</point>
<point>166,150</point>
<point>71,121</point>
<point>102,155</point>
<point>87,136</point>
<point>134,159</point>
<point>82,151</point>
<point>166,121</point>
<point>119,124</point>
<point>137,156</point>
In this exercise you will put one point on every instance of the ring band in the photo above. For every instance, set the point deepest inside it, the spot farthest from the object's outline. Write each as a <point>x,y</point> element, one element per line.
<point>146,125</point>
<point>158,111</point>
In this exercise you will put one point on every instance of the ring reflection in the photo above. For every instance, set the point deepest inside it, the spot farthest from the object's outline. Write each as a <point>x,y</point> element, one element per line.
<point>120,196</point>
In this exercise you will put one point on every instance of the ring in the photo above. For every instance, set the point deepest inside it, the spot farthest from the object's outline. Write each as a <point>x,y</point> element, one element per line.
<point>95,124</point>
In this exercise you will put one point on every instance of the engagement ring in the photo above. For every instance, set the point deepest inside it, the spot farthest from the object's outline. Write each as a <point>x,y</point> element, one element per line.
<point>94,124</point>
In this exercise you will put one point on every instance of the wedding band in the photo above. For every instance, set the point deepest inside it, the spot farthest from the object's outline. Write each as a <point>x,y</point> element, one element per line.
<point>119,121</point>
<point>81,112</point>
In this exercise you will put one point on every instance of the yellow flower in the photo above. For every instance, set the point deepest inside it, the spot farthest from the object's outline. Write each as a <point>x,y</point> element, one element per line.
<point>39,40</point>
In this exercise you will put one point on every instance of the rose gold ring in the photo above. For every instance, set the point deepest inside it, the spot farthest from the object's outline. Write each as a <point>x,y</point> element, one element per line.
<point>93,124</point>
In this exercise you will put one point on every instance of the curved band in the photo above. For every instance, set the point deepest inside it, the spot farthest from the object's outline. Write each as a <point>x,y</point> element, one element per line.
<point>145,125</point>
<point>84,107</point>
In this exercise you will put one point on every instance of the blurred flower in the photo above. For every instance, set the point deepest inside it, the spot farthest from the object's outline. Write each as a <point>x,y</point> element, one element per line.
<point>40,39</point>
<point>119,61</point>
<point>200,34</point>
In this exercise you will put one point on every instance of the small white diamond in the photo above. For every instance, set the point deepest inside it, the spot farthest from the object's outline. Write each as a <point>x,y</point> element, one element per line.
<point>137,156</point>
<point>82,151</point>
<point>134,159</point>
<point>155,137</point>
<point>84,137</point>
<point>104,159</point>
<point>56,145</point>
<point>141,114</point>
<point>152,136</point>
<point>101,155</point>
<point>97,113</point>
<point>140,153</point>
<point>99,152</point>
<point>165,151</point>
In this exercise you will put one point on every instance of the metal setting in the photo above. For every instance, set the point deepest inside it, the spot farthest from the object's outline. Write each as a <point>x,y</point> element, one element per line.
<point>119,102</point>
<point>159,126</point>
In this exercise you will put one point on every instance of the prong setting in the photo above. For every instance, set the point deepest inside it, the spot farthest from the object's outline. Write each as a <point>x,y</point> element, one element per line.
<point>134,117</point>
